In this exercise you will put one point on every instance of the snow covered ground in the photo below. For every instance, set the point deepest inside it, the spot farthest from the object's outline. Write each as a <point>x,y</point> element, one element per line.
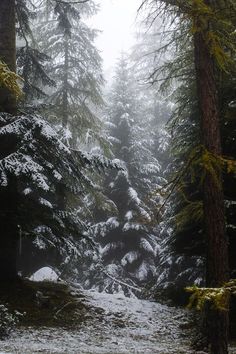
<point>118,325</point>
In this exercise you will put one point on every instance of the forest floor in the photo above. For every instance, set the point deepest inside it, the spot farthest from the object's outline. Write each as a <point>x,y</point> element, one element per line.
<point>66,320</point>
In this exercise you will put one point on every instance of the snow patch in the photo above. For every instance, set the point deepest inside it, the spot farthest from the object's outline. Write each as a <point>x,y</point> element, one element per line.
<point>45,274</point>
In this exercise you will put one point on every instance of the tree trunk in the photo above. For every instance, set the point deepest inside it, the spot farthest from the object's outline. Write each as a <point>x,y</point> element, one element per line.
<point>65,83</point>
<point>7,50</point>
<point>217,271</point>
<point>9,231</point>
<point>8,195</point>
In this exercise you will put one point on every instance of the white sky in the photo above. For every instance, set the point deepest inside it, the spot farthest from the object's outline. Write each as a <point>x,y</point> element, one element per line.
<point>116,20</point>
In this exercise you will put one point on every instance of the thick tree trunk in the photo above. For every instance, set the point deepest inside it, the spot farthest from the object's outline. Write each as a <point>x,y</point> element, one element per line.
<point>7,50</point>
<point>8,217</point>
<point>8,195</point>
<point>217,271</point>
<point>8,232</point>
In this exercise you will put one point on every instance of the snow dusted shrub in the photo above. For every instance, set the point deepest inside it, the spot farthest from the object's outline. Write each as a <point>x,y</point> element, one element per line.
<point>8,321</point>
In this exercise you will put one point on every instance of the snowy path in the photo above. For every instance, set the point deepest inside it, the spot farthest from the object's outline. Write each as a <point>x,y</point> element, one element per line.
<point>118,326</point>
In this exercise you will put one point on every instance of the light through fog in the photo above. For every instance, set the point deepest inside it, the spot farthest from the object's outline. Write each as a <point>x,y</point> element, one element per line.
<point>116,19</point>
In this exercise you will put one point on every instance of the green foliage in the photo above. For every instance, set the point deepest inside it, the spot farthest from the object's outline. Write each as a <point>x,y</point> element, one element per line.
<point>218,35</point>
<point>213,21</point>
<point>191,213</point>
<point>200,163</point>
<point>217,297</point>
<point>191,163</point>
<point>10,80</point>
<point>210,164</point>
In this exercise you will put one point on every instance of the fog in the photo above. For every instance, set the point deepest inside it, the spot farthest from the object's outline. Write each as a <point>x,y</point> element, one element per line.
<point>117,20</point>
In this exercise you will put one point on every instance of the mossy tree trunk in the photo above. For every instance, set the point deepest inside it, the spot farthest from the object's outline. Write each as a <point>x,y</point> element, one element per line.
<point>8,194</point>
<point>7,50</point>
<point>217,271</point>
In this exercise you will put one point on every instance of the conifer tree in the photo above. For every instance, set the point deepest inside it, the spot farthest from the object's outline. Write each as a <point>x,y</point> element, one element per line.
<point>129,245</point>
<point>206,25</point>
<point>75,67</point>
<point>35,164</point>
<point>30,60</point>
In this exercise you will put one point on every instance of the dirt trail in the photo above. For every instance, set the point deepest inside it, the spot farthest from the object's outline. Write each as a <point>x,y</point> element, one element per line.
<point>113,325</point>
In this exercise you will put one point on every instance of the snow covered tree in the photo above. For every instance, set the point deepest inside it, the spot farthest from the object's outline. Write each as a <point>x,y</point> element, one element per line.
<point>75,66</point>
<point>40,163</point>
<point>35,166</point>
<point>31,62</point>
<point>152,138</point>
<point>129,244</point>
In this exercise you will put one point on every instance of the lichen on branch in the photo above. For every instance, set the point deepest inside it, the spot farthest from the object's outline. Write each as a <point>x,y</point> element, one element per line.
<point>10,80</point>
<point>217,297</point>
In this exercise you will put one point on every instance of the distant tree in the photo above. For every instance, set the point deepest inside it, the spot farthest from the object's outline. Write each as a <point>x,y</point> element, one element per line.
<point>75,66</point>
<point>128,241</point>
<point>30,60</point>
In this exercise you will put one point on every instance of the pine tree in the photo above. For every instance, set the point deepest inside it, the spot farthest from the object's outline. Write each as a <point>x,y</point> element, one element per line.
<point>39,162</point>
<point>35,166</point>
<point>129,245</point>
<point>31,61</point>
<point>75,67</point>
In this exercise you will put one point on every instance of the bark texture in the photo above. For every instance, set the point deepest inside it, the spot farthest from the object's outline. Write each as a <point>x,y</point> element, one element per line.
<point>8,194</point>
<point>7,50</point>
<point>9,232</point>
<point>217,271</point>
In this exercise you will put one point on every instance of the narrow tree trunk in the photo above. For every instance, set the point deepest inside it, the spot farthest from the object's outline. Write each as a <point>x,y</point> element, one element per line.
<point>7,50</point>
<point>217,271</point>
<point>61,198</point>
<point>65,84</point>
<point>8,195</point>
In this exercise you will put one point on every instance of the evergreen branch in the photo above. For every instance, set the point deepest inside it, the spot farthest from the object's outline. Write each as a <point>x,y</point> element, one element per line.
<point>218,297</point>
<point>121,282</point>
<point>9,79</point>
<point>175,182</point>
<point>71,2</point>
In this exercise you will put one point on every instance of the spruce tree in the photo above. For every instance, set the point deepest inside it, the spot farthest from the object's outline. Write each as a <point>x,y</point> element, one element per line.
<point>129,244</point>
<point>31,62</point>
<point>35,166</point>
<point>75,66</point>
